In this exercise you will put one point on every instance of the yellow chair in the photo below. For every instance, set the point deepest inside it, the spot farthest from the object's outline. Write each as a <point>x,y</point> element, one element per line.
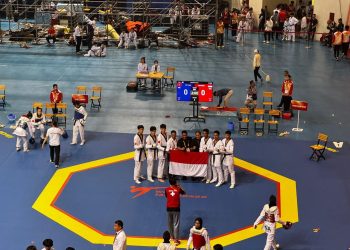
<point>62,115</point>
<point>243,121</point>
<point>267,100</point>
<point>272,123</point>
<point>3,95</point>
<point>96,97</point>
<point>49,110</point>
<point>319,148</point>
<point>259,121</point>
<point>170,75</point>
<point>36,105</point>
<point>81,89</point>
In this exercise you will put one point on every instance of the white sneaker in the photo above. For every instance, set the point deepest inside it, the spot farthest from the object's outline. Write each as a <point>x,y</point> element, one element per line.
<point>267,42</point>
<point>213,181</point>
<point>264,41</point>
<point>150,180</point>
<point>82,143</point>
<point>142,177</point>
<point>26,150</point>
<point>137,182</point>
<point>207,182</point>
<point>51,161</point>
<point>57,166</point>
<point>277,246</point>
<point>73,143</point>
<point>219,184</point>
<point>232,186</point>
<point>18,149</point>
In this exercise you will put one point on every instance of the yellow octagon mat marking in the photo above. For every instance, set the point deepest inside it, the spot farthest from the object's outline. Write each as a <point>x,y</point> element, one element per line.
<point>287,194</point>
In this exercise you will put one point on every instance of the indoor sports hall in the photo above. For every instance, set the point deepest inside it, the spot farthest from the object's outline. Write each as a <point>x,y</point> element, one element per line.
<point>297,152</point>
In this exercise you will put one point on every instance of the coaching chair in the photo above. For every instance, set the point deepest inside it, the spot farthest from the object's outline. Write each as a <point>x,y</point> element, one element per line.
<point>259,121</point>
<point>36,105</point>
<point>96,97</point>
<point>319,148</point>
<point>267,100</point>
<point>170,75</point>
<point>62,115</point>
<point>81,89</point>
<point>3,95</point>
<point>272,123</point>
<point>243,121</point>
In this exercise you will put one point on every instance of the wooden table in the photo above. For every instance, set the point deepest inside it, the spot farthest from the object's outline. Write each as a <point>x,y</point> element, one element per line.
<point>158,76</point>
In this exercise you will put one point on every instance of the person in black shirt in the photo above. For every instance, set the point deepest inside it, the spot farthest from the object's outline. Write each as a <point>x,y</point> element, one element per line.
<point>184,143</point>
<point>196,141</point>
<point>226,93</point>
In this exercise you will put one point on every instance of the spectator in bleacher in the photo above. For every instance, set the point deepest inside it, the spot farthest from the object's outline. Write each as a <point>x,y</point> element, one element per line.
<point>225,17</point>
<point>291,7</point>
<point>340,25</point>
<point>346,40</point>
<point>220,27</point>
<point>337,42</point>
<point>51,35</point>
<point>195,11</point>
<point>132,38</point>
<point>234,22</point>
<point>172,14</point>
<point>268,30</point>
<point>48,244</point>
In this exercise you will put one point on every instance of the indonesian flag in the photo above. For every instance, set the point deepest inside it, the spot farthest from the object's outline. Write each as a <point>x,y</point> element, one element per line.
<point>188,163</point>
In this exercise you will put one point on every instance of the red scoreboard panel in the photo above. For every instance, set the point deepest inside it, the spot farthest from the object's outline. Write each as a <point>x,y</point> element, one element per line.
<point>205,91</point>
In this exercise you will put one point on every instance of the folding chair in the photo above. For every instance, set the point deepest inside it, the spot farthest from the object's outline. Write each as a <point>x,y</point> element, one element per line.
<point>320,147</point>
<point>3,95</point>
<point>48,110</point>
<point>272,123</point>
<point>36,105</point>
<point>243,121</point>
<point>81,89</point>
<point>62,115</point>
<point>96,97</point>
<point>170,75</point>
<point>267,100</point>
<point>259,121</point>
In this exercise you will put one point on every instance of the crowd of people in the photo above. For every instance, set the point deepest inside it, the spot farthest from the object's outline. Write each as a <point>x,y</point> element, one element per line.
<point>47,245</point>
<point>27,125</point>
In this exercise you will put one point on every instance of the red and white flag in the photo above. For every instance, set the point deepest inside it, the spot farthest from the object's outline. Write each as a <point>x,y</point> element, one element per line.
<point>188,163</point>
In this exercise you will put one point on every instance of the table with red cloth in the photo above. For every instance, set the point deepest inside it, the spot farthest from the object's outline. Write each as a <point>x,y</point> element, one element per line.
<point>188,163</point>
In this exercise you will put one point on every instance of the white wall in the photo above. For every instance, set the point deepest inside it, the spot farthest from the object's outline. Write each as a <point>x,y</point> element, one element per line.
<point>322,8</point>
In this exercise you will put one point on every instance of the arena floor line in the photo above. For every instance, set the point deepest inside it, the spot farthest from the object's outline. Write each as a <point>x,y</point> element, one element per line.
<point>100,195</point>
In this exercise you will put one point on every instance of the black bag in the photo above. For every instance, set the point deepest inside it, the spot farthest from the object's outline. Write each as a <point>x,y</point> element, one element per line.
<point>131,86</point>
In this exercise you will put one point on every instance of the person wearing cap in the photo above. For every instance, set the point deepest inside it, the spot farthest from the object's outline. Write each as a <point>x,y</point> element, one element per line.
<point>79,121</point>
<point>225,94</point>
<point>23,126</point>
<point>53,135</point>
<point>256,65</point>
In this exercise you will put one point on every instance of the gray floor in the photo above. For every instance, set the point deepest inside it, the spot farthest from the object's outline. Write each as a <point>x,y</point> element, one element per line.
<point>318,78</point>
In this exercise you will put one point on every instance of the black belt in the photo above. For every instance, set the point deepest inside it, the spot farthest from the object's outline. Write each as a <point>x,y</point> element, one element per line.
<point>141,149</point>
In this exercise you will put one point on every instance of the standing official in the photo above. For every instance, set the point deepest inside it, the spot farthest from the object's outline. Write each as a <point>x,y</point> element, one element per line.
<point>227,162</point>
<point>172,195</point>
<point>270,216</point>
<point>79,121</point>
<point>53,135</point>
<point>162,155</point>
<point>140,153</point>
<point>257,65</point>
<point>77,37</point>
<point>205,143</point>
<point>119,242</point>
<point>216,159</point>
<point>151,146</point>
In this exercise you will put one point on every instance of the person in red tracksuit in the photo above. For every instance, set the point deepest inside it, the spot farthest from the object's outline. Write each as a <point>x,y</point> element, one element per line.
<point>172,195</point>
<point>287,92</point>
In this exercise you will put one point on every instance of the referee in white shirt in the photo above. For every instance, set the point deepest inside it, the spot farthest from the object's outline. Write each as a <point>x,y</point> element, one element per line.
<point>119,242</point>
<point>53,134</point>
